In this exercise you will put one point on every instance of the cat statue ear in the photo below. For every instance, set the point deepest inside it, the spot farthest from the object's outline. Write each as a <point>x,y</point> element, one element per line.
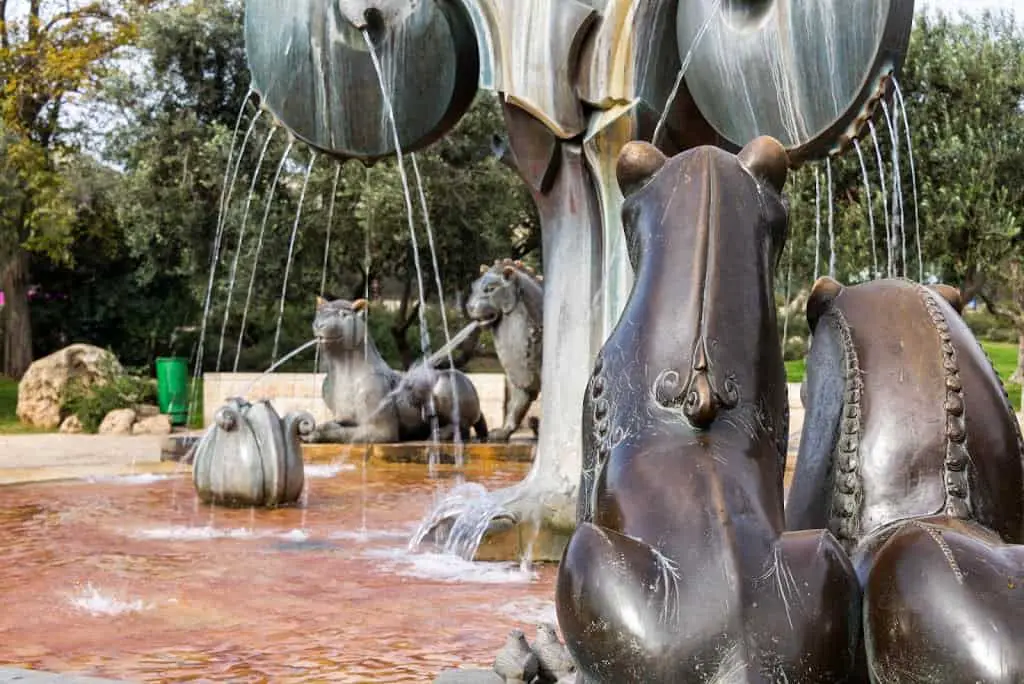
<point>320,301</point>
<point>359,306</point>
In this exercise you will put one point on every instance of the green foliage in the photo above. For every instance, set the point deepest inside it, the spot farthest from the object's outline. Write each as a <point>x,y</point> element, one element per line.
<point>985,326</point>
<point>91,401</point>
<point>962,82</point>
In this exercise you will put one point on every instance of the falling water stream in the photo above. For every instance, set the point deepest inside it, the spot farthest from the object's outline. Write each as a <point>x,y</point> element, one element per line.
<point>259,248</point>
<point>831,220</point>
<point>327,258</point>
<point>897,189</point>
<point>913,178</point>
<point>885,200</point>
<point>459,455</point>
<point>241,243</point>
<point>277,364</point>
<point>390,112</point>
<point>817,223</point>
<point>214,259</point>
<point>871,211</point>
<point>684,65</point>
<point>291,253</point>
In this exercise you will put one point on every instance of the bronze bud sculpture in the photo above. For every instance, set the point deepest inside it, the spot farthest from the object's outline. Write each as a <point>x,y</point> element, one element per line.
<point>251,457</point>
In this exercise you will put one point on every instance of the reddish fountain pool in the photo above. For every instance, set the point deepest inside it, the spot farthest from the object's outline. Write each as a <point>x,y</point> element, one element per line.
<point>131,578</point>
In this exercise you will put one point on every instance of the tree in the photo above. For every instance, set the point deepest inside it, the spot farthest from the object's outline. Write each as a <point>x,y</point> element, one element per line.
<point>47,57</point>
<point>963,85</point>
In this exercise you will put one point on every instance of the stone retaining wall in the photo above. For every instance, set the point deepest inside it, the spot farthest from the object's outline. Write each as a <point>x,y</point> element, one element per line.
<point>301,392</point>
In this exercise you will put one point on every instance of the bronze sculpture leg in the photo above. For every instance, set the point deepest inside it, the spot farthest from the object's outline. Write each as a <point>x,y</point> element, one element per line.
<point>944,602</point>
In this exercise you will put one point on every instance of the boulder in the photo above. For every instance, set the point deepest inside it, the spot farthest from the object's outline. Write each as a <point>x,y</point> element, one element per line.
<point>71,425</point>
<point>40,391</point>
<point>118,422</point>
<point>152,425</point>
<point>146,411</point>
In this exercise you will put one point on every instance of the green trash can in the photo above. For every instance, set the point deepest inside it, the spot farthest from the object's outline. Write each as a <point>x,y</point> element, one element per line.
<point>172,388</point>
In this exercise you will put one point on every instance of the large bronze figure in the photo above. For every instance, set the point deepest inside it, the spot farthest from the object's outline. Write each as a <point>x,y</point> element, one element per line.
<point>578,80</point>
<point>680,569</point>
<point>911,455</point>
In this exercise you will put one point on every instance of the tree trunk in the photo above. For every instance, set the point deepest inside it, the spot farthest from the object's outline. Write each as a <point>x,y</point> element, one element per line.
<point>17,323</point>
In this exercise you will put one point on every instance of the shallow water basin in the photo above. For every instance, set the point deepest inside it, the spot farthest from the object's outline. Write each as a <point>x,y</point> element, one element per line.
<point>130,577</point>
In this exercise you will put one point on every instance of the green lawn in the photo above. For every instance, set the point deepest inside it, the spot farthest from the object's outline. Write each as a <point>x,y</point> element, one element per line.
<point>9,423</point>
<point>1003,355</point>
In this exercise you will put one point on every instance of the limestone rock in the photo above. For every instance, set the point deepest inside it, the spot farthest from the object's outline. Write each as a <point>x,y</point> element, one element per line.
<point>469,676</point>
<point>71,425</point>
<point>40,391</point>
<point>146,411</point>
<point>118,422</point>
<point>152,425</point>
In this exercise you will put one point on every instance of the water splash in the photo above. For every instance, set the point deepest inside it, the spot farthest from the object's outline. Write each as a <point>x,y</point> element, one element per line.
<point>291,253</point>
<point>136,479</point>
<point>96,602</point>
<point>241,242</point>
<point>684,65</point>
<point>208,532</point>
<point>471,508</point>
<point>831,222</point>
<point>871,211</point>
<point>445,568</point>
<point>326,470</point>
<point>913,178</point>
<point>259,248</point>
<point>885,200</point>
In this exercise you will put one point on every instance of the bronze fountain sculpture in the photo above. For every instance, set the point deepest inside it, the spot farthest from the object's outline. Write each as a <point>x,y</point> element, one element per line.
<point>680,569</point>
<point>913,459</point>
<point>682,566</point>
<point>508,298</point>
<point>371,402</point>
<point>577,80</point>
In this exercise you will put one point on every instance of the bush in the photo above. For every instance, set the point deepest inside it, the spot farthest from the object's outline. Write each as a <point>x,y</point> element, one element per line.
<point>985,326</point>
<point>92,401</point>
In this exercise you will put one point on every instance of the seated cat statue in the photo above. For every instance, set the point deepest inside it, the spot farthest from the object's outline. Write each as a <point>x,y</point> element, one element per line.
<point>911,455</point>
<point>368,399</point>
<point>509,299</point>
<point>455,401</point>
<point>680,569</point>
<point>250,456</point>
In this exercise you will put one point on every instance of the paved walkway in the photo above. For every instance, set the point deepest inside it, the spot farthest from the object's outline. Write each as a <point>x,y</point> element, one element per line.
<point>36,458</point>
